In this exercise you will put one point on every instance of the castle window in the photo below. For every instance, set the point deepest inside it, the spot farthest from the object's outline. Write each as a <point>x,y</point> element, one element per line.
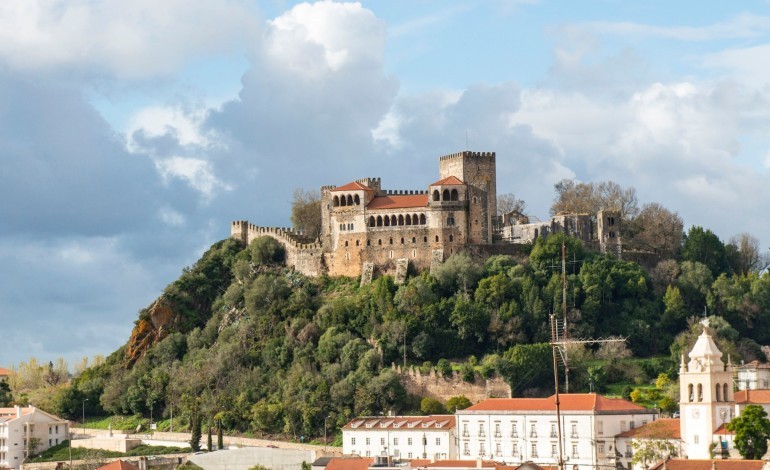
<point>393,220</point>
<point>455,196</point>
<point>402,240</point>
<point>342,201</point>
<point>436,238</point>
<point>350,226</point>
<point>379,221</point>
<point>342,227</point>
<point>357,242</point>
<point>400,220</point>
<point>612,234</point>
<point>415,220</point>
<point>408,219</point>
<point>368,243</point>
<point>350,200</point>
<point>387,221</point>
<point>346,243</point>
<point>610,220</point>
<point>391,241</point>
<point>445,195</point>
<point>700,392</point>
<point>436,195</point>
<point>414,240</point>
<point>450,221</point>
<point>689,392</point>
<point>379,242</point>
<point>425,239</point>
<point>719,390</point>
<point>336,201</point>
<point>414,253</point>
<point>474,199</point>
<point>476,221</point>
<point>357,200</point>
<point>451,238</point>
<point>372,222</point>
<point>422,219</point>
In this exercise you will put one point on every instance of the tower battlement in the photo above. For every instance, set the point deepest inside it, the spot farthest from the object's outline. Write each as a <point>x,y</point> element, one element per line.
<point>466,154</point>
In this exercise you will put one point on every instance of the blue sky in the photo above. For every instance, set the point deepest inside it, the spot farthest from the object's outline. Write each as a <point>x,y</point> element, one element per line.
<point>131,134</point>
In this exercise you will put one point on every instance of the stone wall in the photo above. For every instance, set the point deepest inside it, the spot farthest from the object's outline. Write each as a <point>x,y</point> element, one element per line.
<point>442,388</point>
<point>306,258</point>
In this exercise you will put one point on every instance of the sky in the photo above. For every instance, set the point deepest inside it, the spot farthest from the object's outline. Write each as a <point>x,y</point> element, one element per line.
<point>133,133</point>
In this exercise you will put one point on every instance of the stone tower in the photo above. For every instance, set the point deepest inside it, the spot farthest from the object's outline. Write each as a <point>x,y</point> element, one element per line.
<point>478,171</point>
<point>706,395</point>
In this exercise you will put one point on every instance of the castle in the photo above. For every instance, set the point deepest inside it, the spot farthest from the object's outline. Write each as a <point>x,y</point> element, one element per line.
<point>365,228</point>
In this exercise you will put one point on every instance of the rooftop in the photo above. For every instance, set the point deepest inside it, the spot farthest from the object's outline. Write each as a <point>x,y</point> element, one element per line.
<point>752,397</point>
<point>398,202</point>
<point>658,429</point>
<point>448,180</point>
<point>682,464</point>
<point>568,402</point>
<point>354,186</point>
<point>401,423</point>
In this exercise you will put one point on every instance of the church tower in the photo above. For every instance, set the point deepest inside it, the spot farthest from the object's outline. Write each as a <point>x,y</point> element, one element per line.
<point>706,395</point>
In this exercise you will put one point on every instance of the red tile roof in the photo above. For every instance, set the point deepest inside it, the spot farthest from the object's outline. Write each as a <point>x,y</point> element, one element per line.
<point>398,202</point>
<point>118,465</point>
<point>361,463</point>
<point>448,180</point>
<point>424,463</point>
<point>401,423</point>
<point>568,402</point>
<point>658,429</point>
<point>722,430</point>
<point>354,186</point>
<point>5,372</point>
<point>681,464</point>
<point>748,397</point>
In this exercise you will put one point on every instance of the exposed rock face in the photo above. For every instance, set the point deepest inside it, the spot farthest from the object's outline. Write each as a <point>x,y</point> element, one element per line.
<point>150,329</point>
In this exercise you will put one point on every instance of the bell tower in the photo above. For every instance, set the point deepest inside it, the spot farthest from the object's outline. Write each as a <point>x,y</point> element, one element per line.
<point>706,395</point>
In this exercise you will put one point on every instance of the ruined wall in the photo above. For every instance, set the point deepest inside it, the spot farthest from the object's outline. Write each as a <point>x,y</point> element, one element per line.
<point>306,258</point>
<point>442,388</point>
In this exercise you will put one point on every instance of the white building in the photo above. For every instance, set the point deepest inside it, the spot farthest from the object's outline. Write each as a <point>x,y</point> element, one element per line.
<point>753,376</point>
<point>28,431</point>
<point>402,437</point>
<point>517,430</point>
<point>668,430</point>
<point>706,396</point>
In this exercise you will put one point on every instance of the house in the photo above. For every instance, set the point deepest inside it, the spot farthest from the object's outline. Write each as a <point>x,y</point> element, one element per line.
<point>667,430</point>
<point>517,430</point>
<point>401,437</point>
<point>683,464</point>
<point>753,376</point>
<point>28,431</point>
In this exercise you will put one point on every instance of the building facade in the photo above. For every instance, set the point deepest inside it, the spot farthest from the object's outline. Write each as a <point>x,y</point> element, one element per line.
<point>753,376</point>
<point>28,431</point>
<point>401,437</point>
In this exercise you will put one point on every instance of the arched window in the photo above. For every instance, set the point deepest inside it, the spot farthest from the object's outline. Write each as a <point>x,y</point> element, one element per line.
<point>368,243</point>
<point>455,195</point>
<point>342,227</point>
<point>379,242</point>
<point>346,243</point>
<point>350,200</point>
<point>357,242</point>
<point>425,239</point>
<point>445,195</point>
<point>689,392</point>
<point>474,199</point>
<point>700,392</point>
<point>336,201</point>
<point>402,240</point>
<point>408,219</point>
<point>414,239</point>
<point>357,200</point>
<point>415,219</point>
<point>400,219</point>
<point>422,219</point>
<point>451,238</point>
<point>379,221</point>
<point>387,221</point>
<point>436,195</point>
<point>391,241</point>
<point>719,391</point>
<point>393,220</point>
<point>436,238</point>
<point>724,395</point>
<point>343,201</point>
<point>372,222</point>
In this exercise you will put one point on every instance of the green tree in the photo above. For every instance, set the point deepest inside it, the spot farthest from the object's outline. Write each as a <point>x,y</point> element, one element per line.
<point>6,397</point>
<point>647,451</point>
<point>431,406</point>
<point>266,250</point>
<point>459,273</point>
<point>460,402</point>
<point>705,247</point>
<point>306,212</point>
<point>752,430</point>
<point>444,367</point>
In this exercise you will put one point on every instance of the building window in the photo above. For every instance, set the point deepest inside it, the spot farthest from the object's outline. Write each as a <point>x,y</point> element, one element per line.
<point>553,429</point>
<point>346,243</point>
<point>553,449</point>
<point>402,240</point>
<point>409,441</point>
<point>497,449</point>
<point>623,426</point>
<point>533,430</point>
<point>379,242</point>
<point>481,429</point>
<point>368,454</point>
<point>450,221</point>
<point>534,449</point>
<point>382,441</point>
<point>391,241</point>
<point>497,429</point>
<point>425,239</point>
<point>409,455</point>
<point>465,429</point>
<point>700,392</point>
<point>368,243</point>
<point>696,439</point>
<point>451,238</point>
<point>414,239</point>
<point>574,450</point>
<point>438,441</point>
<point>515,451</point>
<point>395,441</point>
<point>574,434</point>
<point>689,392</point>
<point>436,238</point>
<point>466,449</point>
<point>367,441</point>
<point>481,448</point>
<point>632,425</point>
<point>514,430</point>
<point>356,242</point>
<point>352,441</point>
<point>600,448</point>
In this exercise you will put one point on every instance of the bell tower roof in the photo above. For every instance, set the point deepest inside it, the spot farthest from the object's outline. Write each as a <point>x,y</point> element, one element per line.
<point>705,353</point>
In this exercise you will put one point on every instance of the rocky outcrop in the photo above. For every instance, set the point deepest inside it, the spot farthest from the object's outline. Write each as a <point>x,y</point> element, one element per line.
<point>150,329</point>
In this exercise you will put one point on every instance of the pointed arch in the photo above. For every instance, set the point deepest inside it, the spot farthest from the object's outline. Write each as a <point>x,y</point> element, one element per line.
<point>372,221</point>
<point>379,221</point>
<point>343,201</point>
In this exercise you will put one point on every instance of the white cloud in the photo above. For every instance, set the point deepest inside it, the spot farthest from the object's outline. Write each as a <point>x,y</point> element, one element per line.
<point>136,39</point>
<point>196,172</point>
<point>745,25</point>
<point>184,124</point>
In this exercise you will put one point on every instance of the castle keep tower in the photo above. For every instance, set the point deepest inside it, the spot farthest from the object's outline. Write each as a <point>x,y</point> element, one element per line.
<point>478,171</point>
<point>706,395</point>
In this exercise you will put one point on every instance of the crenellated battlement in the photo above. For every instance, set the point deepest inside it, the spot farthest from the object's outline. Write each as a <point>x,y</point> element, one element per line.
<point>286,235</point>
<point>453,156</point>
<point>328,187</point>
<point>404,192</point>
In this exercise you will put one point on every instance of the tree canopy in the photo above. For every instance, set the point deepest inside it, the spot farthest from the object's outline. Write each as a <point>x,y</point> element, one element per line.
<point>752,430</point>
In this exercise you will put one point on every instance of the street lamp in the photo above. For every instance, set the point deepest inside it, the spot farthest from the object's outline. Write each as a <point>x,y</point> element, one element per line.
<point>84,417</point>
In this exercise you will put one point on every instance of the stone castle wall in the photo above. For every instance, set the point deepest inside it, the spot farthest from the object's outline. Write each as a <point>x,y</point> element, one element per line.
<point>306,258</point>
<point>435,385</point>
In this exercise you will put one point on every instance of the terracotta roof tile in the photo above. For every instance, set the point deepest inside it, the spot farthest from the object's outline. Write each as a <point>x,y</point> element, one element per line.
<point>722,430</point>
<point>568,402</point>
<point>353,186</point>
<point>398,202</point>
<point>747,397</point>
<point>118,465</point>
<point>361,463</point>
<point>448,180</point>
<point>658,429</point>
<point>681,464</point>
<point>4,371</point>
<point>401,423</point>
